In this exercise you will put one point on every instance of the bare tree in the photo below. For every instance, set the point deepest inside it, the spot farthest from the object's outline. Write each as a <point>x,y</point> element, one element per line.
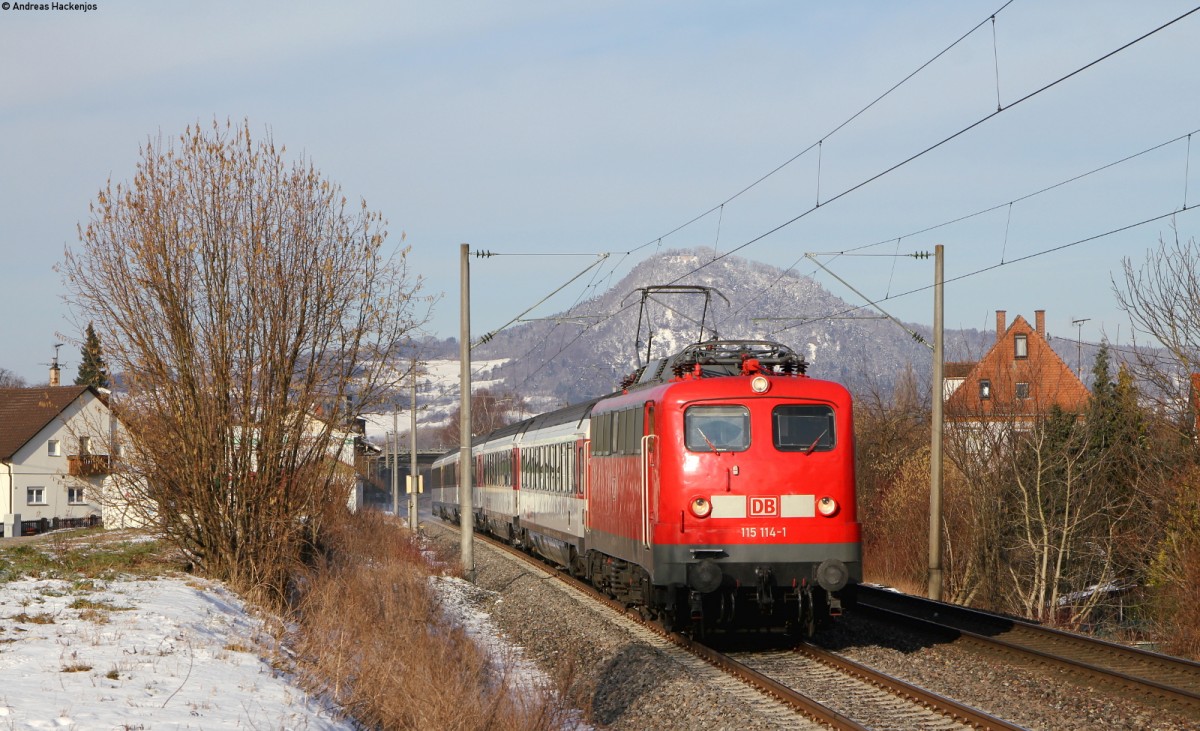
<point>489,411</point>
<point>1056,503</point>
<point>253,310</point>
<point>1161,296</point>
<point>8,379</point>
<point>1162,299</point>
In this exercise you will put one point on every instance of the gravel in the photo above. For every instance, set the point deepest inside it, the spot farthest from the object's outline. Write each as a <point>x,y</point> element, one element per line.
<point>1033,697</point>
<point>625,677</point>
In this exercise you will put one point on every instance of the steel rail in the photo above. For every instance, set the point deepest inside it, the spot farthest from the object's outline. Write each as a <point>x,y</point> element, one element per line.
<point>896,686</point>
<point>952,619</point>
<point>764,683</point>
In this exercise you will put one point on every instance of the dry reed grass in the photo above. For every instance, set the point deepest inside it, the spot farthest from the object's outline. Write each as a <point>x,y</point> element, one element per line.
<point>372,636</point>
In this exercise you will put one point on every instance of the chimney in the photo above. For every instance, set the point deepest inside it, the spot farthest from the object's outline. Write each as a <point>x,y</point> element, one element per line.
<point>1039,317</point>
<point>54,369</point>
<point>1000,326</point>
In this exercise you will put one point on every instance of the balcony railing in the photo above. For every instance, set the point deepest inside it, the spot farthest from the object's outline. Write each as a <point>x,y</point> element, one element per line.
<point>88,465</point>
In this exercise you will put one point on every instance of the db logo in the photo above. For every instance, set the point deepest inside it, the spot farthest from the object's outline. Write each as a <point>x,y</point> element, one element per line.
<point>764,506</point>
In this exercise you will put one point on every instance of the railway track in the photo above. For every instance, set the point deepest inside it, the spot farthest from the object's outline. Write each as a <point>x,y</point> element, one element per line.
<point>1137,673</point>
<point>876,700</point>
<point>819,686</point>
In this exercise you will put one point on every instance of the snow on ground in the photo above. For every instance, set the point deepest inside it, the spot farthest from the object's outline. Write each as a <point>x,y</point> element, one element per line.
<point>176,653</point>
<point>459,601</point>
<point>170,653</point>
<point>438,395</point>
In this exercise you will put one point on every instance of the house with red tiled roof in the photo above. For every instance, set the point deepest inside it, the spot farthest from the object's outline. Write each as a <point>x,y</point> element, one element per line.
<point>1018,380</point>
<point>54,454</point>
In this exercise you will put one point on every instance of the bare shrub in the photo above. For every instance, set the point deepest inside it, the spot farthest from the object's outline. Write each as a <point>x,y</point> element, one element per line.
<point>254,313</point>
<point>892,444</point>
<point>1175,573</point>
<point>372,635</point>
<point>896,549</point>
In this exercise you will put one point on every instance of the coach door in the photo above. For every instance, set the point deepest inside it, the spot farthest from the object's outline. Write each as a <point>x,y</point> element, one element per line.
<point>581,481</point>
<point>649,470</point>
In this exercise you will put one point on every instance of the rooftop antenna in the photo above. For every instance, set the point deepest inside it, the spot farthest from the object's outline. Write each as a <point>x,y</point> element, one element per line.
<point>1079,345</point>
<point>54,367</point>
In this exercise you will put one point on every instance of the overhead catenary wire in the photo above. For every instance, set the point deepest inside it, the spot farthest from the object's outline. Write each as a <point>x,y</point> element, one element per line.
<point>827,135</point>
<point>983,211</point>
<point>1187,168</point>
<point>1001,108</point>
<point>841,314</point>
<point>855,250</point>
<point>720,206</point>
<point>983,270</point>
<point>488,336</point>
<point>945,140</point>
<point>996,60</point>
<point>912,333</point>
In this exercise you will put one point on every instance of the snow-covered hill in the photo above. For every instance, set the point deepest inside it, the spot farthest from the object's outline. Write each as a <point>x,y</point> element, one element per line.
<point>586,351</point>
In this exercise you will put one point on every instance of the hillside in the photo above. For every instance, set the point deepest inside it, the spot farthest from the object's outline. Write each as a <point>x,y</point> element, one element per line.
<point>555,362</point>
<point>586,351</point>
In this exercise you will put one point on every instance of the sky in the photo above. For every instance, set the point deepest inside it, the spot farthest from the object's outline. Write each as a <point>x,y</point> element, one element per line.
<point>554,134</point>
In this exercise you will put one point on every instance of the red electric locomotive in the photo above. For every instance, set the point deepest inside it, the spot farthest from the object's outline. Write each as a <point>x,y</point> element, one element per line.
<point>716,490</point>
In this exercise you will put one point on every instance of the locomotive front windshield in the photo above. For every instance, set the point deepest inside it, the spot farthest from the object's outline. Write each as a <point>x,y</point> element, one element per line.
<point>803,428</point>
<point>717,428</point>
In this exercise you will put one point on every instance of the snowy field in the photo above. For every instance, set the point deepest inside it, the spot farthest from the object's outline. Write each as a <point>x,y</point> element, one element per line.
<point>170,653</point>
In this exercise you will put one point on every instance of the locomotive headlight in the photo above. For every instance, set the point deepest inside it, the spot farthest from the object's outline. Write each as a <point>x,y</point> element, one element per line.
<point>827,506</point>
<point>701,507</point>
<point>760,384</point>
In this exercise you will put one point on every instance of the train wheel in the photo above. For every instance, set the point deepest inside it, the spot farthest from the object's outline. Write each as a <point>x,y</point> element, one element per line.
<point>808,616</point>
<point>669,622</point>
<point>596,571</point>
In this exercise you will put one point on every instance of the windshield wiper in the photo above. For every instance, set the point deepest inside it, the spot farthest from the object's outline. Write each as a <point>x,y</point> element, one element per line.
<point>812,447</point>
<point>712,447</point>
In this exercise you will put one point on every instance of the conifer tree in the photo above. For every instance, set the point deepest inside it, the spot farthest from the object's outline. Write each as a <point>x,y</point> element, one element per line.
<point>92,371</point>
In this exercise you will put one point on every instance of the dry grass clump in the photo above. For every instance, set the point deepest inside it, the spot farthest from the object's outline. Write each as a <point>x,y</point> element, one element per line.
<point>372,636</point>
<point>84,554</point>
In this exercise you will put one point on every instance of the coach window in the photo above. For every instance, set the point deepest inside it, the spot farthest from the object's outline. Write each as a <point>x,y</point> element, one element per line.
<point>630,433</point>
<point>600,435</point>
<point>717,428</point>
<point>803,428</point>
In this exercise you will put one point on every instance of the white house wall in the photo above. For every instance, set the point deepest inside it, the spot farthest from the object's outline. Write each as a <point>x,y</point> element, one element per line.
<point>33,466</point>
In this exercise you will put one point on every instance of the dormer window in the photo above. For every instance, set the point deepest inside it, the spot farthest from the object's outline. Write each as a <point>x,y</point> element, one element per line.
<point>985,389</point>
<point>1021,346</point>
